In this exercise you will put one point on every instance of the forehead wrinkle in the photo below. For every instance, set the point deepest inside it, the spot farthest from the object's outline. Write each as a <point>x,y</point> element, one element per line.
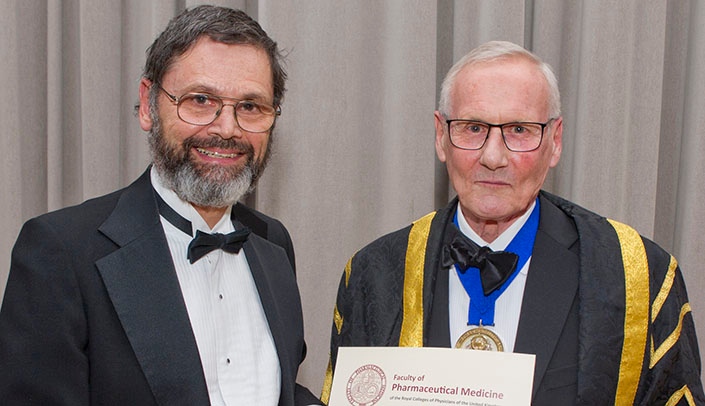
<point>192,71</point>
<point>204,88</point>
<point>500,91</point>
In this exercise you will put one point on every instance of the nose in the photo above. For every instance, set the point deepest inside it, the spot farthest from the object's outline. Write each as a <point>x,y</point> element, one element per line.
<point>225,125</point>
<point>494,152</point>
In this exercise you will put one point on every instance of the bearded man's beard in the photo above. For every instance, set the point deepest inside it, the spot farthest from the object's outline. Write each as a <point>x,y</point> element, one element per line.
<point>202,184</point>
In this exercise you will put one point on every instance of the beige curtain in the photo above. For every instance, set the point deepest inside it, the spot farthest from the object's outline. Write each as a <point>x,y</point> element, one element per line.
<point>354,154</point>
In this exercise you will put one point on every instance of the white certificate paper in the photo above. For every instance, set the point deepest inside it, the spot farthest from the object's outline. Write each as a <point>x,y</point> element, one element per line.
<point>383,376</point>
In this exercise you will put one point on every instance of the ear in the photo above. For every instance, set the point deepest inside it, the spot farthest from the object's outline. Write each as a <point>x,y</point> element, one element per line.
<point>557,139</point>
<point>440,124</point>
<point>143,111</point>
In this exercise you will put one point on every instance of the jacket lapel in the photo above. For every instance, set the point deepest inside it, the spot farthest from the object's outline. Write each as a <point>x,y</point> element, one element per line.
<point>278,293</point>
<point>550,290</point>
<point>145,292</point>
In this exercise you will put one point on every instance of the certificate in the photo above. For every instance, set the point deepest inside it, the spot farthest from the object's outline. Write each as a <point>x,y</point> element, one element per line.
<point>382,376</point>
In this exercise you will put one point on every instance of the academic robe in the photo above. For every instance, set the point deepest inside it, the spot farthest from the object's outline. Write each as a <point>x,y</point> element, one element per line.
<point>605,310</point>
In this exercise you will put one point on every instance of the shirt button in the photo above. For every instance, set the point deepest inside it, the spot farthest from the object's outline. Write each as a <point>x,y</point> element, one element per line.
<point>227,360</point>
<point>220,296</point>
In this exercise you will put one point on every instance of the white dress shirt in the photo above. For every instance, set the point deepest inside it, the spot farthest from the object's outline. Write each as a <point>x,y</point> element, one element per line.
<point>237,350</point>
<point>507,306</point>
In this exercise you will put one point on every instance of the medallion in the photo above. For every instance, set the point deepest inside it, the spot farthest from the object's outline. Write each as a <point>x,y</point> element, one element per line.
<point>480,338</point>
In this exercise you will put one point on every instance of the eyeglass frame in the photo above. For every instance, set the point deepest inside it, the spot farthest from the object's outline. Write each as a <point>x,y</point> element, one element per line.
<point>501,131</point>
<point>177,102</point>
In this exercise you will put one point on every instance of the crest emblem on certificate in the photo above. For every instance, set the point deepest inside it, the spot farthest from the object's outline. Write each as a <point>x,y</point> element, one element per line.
<point>366,385</point>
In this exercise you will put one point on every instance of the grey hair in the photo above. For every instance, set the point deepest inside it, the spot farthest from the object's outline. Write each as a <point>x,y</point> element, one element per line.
<point>494,50</point>
<point>220,24</point>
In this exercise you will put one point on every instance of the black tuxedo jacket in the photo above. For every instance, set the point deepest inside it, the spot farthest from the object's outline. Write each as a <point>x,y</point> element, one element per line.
<point>93,311</point>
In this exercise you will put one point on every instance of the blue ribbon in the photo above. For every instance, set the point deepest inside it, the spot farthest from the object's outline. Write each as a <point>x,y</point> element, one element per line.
<point>481,311</point>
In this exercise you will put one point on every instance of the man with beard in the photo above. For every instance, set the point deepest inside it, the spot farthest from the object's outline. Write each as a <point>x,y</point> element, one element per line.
<point>168,291</point>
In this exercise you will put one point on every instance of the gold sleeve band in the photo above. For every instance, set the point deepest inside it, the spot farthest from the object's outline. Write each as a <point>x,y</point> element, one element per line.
<point>636,317</point>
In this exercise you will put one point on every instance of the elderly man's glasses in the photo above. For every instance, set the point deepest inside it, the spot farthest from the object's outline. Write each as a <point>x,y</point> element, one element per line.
<point>518,136</point>
<point>204,108</point>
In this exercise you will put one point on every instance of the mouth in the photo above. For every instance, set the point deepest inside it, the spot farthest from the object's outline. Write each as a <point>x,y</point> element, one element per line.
<point>493,183</point>
<point>216,154</point>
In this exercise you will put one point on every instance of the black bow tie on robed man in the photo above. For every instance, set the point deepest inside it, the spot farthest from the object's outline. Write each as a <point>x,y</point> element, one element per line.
<point>495,266</point>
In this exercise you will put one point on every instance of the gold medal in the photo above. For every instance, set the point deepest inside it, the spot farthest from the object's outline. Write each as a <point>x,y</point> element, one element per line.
<point>480,338</point>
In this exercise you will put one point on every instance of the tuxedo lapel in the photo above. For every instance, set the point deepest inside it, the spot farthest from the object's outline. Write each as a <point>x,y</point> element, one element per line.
<point>144,289</point>
<point>550,290</point>
<point>278,293</point>
<point>245,216</point>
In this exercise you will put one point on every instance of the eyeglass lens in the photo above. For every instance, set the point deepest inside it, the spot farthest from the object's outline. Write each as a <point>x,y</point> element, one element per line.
<point>203,109</point>
<point>518,136</point>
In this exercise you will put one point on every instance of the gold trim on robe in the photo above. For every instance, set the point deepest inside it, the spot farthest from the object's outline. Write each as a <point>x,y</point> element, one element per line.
<point>412,320</point>
<point>636,317</point>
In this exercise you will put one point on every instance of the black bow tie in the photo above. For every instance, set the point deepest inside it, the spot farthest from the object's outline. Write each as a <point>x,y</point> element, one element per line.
<point>203,243</point>
<point>495,267</point>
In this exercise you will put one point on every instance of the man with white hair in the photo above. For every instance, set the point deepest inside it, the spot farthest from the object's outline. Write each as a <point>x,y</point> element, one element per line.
<point>509,267</point>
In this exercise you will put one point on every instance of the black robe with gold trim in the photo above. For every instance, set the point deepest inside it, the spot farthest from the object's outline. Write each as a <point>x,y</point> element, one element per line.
<point>634,340</point>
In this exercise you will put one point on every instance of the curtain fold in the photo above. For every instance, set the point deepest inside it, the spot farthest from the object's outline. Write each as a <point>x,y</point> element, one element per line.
<point>353,153</point>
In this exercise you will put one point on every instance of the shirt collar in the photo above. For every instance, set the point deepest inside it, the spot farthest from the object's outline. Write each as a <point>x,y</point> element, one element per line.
<point>503,240</point>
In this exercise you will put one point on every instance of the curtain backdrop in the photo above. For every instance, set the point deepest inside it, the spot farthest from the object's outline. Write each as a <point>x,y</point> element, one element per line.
<point>354,155</point>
